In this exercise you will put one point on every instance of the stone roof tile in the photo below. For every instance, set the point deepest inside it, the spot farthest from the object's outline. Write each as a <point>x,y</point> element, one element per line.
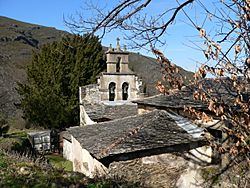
<point>103,111</point>
<point>135,133</point>
<point>220,88</point>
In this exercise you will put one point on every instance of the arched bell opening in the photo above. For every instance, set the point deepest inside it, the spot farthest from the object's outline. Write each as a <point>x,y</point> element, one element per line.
<point>125,86</point>
<point>112,86</point>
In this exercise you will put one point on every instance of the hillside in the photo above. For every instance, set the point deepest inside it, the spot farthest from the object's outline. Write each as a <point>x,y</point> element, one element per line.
<point>149,70</point>
<point>17,170</point>
<point>19,39</point>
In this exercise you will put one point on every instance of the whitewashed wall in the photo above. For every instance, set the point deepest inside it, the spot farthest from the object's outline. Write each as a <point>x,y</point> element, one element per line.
<point>83,162</point>
<point>67,149</point>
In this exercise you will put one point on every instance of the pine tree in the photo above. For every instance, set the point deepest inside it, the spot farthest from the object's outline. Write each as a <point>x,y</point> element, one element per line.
<point>50,96</point>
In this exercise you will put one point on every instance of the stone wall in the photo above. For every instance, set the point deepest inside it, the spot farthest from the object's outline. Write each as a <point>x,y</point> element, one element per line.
<point>155,171</point>
<point>84,118</point>
<point>83,162</point>
<point>202,155</point>
<point>67,149</point>
<point>105,80</point>
<point>95,93</point>
<point>165,170</point>
<point>89,93</point>
<point>145,109</point>
<point>112,59</point>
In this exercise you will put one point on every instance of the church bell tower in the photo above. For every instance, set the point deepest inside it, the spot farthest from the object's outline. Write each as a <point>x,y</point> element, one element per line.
<point>119,83</point>
<point>117,59</point>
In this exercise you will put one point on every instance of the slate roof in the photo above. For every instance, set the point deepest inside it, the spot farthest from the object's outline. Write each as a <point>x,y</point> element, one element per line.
<point>155,129</point>
<point>102,111</point>
<point>221,88</point>
<point>66,135</point>
<point>176,101</point>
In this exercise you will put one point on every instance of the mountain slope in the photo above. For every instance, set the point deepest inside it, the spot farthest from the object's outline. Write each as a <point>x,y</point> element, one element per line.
<point>149,70</point>
<point>19,39</point>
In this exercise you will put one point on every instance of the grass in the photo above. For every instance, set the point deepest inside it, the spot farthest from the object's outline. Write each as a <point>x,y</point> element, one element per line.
<point>59,162</point>
<point>17,140</point>
<point>17,173</point>
<point>17,170</point>
<point>210,174</point>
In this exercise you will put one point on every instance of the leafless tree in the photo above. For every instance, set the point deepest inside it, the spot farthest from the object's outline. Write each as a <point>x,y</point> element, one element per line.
<point>130,16</point>
<point>223,39</point>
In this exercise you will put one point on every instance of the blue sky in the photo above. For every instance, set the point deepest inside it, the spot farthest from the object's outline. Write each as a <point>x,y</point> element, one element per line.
<point>51,12</point>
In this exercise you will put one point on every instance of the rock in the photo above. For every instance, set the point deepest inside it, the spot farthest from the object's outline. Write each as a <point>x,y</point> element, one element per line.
<point>191,178</point>
<point>24,170</point>
<point>27,40</point>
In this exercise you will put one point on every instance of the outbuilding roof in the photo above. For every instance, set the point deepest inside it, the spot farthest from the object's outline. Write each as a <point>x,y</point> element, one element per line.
<point>99,111</point>
<point>222,89</point>
<point>173,101</point>
<point>156,129</point>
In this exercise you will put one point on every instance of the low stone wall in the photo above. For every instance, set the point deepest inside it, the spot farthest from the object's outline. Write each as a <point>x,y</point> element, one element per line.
<point>155,171</point>
<point>165,170</point>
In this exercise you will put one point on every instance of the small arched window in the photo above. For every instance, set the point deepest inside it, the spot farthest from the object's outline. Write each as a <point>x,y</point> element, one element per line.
<point>125,91</point>
<point>112,91</point>
<point>118,63</point>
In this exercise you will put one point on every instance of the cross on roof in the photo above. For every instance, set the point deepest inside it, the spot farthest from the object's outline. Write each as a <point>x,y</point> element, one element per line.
<point>118,47</point>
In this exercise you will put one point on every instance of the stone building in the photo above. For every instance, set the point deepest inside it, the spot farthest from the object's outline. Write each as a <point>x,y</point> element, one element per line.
<point>95,147</point>
<point>120,127</point>
<point>177,101</point>
<point>118,86</point>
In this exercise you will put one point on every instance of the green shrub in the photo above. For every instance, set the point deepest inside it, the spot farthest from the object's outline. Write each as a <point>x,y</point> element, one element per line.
<point>59,162</point>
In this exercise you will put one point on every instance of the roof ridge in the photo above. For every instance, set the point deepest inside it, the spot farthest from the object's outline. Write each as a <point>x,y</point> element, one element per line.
<point>137,115</point>
<point>134,101</point>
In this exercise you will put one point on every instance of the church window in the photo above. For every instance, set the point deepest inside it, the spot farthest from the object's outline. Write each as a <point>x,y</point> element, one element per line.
<point>112,91</point>
<point>125,91</point>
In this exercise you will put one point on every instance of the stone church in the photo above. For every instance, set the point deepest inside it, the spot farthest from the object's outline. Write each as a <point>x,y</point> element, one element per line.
<point>115,88</point>
<point>123,133</point>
